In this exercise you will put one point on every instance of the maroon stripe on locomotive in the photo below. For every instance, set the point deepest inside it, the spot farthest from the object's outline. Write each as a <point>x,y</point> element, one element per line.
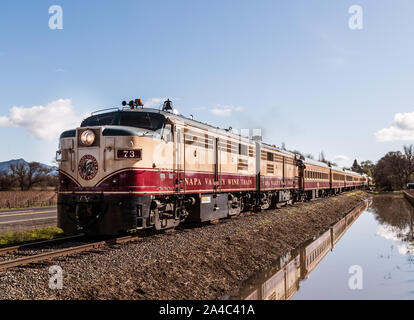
<point>310,185</point>
<point>160,182</point>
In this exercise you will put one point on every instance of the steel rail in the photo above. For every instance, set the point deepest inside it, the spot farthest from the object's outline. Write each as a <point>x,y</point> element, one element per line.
<point>64,252</point>
<point>38,243</point>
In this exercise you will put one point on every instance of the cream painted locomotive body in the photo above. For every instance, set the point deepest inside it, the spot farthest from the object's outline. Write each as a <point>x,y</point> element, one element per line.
<point>147,168</point>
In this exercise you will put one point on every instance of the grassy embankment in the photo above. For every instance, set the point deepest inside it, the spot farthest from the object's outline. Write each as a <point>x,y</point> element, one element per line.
<point>352,194</point>
<point>18,237</point>
<point>27,199</point>
<point>384,192</point>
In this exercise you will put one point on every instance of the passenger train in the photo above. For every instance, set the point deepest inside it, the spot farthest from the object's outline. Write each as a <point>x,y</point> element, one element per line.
<point>131,168</point>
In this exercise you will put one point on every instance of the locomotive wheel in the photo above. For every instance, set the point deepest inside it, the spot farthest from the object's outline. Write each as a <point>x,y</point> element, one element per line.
<point>162,223</point>
<point>235,207</point>
<point>265,205</point>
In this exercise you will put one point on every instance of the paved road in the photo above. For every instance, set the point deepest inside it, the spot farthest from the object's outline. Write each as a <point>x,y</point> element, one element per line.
<point>22,215</point>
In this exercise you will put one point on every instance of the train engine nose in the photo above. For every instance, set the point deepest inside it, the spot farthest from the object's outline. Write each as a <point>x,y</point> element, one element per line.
<point>89,158</point>
<point>88,210</point>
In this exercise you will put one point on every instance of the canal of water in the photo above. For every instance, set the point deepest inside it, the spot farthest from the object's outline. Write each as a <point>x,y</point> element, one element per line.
<point>369,254</point>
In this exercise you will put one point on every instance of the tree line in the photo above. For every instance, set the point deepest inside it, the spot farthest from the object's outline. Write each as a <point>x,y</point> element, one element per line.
<point>25,176</point>
<point>392,172</point>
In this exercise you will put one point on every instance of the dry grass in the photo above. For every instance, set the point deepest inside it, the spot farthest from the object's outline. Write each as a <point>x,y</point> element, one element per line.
<point>25,199</point>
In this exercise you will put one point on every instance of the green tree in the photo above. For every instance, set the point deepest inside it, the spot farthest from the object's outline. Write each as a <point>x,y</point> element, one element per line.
<point>356,167</point>
<point>367,167</point>
<point>392,171</point>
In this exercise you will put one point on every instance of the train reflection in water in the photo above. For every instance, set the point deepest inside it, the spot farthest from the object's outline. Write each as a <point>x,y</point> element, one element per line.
<point>282,281</point>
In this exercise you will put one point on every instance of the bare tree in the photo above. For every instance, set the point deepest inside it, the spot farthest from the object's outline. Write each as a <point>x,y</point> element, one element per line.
<point>28,175</point>
<point>6,181</point>
<point>409,154</point>
<point>19,173</point>
<point>36,173</point>
<point>322,157</point>
<point>298,154</point>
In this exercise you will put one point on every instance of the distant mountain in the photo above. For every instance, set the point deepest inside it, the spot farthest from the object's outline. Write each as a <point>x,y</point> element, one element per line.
<point>5,165</point>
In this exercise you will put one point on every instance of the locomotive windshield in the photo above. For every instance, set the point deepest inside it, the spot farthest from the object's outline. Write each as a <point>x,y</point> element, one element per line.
<point>106,119</point>
<point>145,120</point>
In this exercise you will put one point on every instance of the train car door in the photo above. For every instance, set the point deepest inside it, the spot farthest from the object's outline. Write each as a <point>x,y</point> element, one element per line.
<point>331,185</point>
<point>301,171</point>
<point>258,164</point>
<point>179,159</point>
<point>217,166</point>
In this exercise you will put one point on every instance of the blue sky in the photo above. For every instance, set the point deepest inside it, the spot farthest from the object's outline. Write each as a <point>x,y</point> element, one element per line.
<point>292,68</point>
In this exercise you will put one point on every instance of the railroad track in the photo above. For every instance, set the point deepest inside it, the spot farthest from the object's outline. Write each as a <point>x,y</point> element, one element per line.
<point>15,262</point>
<point>38,243</point>
<point>56,253</point>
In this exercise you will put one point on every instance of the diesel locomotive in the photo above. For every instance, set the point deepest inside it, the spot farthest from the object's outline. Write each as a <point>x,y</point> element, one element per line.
<point>131,168</point>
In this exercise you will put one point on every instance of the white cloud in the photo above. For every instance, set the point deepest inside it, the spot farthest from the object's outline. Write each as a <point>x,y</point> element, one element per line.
<point>60,70</point>
<point>402,128</point>
<point>341,158</point>
<point>221,112</point>
<point>43,122</point>
<point>397,235</point>
<point>154,102</point>
<point>225,110</point>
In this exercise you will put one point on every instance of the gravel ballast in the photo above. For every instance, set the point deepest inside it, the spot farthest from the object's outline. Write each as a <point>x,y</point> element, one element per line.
<point>191,263</point>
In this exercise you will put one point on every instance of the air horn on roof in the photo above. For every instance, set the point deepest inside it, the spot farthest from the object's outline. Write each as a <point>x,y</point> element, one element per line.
<point>133,103</point>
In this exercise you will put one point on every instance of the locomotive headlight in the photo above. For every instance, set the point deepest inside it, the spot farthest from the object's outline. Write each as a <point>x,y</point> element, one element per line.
<point>87,137</point>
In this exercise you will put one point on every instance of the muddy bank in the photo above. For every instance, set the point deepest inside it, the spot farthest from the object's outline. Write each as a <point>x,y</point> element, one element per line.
<point>409,195</point>
<point>192,263</point>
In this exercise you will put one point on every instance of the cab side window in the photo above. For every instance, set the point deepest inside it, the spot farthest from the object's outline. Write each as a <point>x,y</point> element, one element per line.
<point>168,133</point>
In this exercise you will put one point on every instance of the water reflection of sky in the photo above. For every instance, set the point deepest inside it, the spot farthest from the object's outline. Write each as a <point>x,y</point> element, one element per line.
<point>380,241</point>
<point>395,234</point>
